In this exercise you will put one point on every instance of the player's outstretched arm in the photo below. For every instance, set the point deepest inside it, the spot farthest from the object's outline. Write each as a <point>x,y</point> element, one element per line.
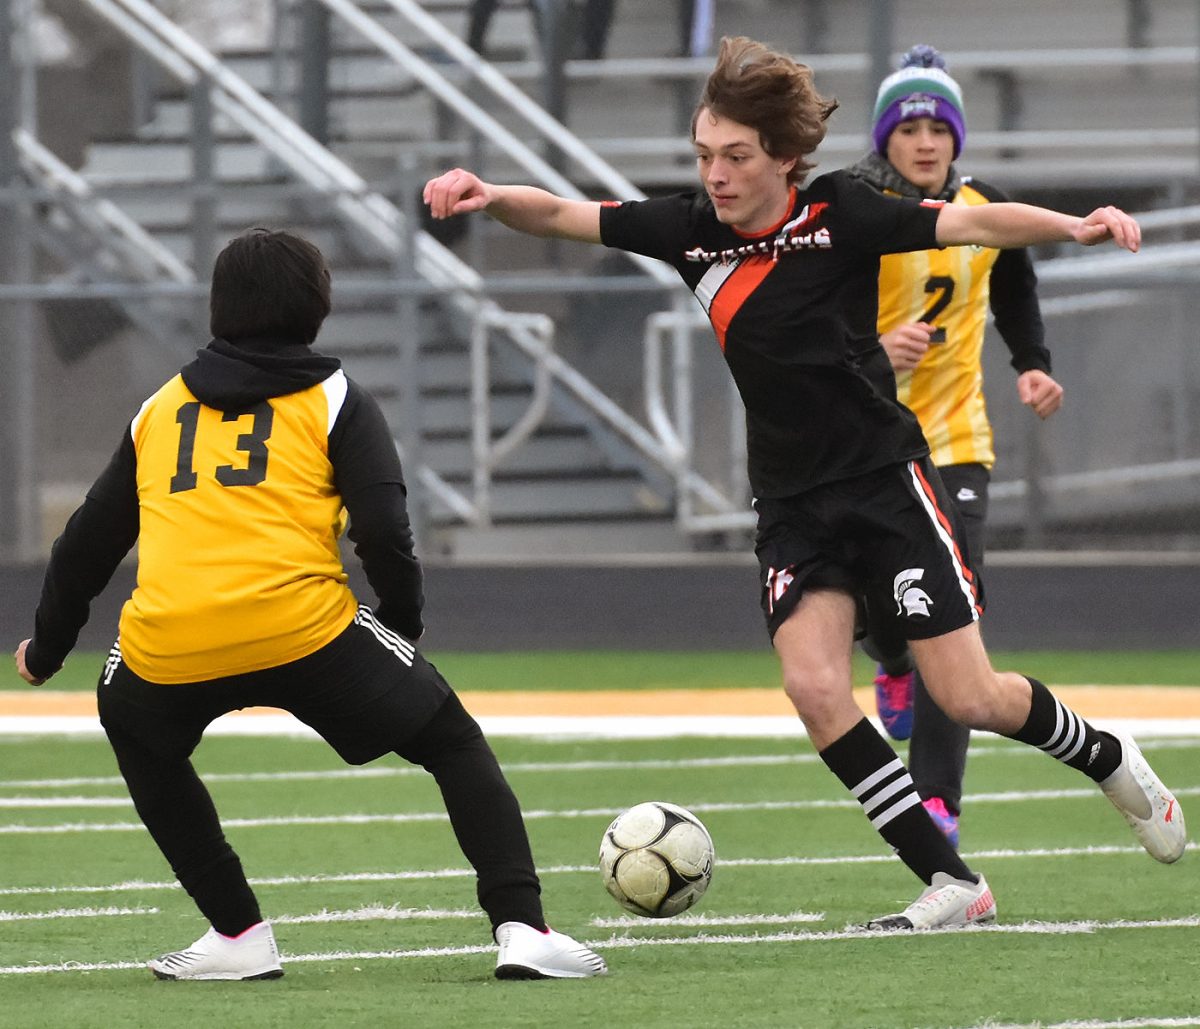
<point>1018,225</point>
<point>524,208</point>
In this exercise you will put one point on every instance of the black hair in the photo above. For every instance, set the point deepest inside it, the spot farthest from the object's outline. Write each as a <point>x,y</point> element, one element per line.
<point>267,283</point>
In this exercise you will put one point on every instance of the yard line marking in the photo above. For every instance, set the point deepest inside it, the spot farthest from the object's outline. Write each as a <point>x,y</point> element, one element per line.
<point>541,814</point>
<point>1150,1022</point>
<point>44,802</point>
<point>376,913</point>
<point>989,747</point>
<point>38,916</point>
<point>138,886</point>
<point>855,934</point>
<point>689,920</point>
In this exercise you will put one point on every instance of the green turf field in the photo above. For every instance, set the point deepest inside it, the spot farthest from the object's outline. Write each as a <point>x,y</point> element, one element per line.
<point>605,669</point>
<point>375,913</point>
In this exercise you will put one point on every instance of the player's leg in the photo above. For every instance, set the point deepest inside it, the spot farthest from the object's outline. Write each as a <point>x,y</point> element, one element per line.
<point>937,755</point>
<point>153,730</point>
<point>895,672</point>
<point>814,648</point>
<point>941,600</point>
<point>961,680</point>
<point>385,697</point>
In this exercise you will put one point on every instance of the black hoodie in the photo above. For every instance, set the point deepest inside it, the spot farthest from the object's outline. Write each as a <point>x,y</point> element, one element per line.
<point>232,377</point>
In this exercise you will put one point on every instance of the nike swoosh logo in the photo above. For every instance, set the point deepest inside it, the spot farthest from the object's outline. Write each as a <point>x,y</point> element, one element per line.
<point>1170,811</point>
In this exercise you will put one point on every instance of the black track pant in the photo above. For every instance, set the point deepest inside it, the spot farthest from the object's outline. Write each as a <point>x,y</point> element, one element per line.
<point>367,693</point>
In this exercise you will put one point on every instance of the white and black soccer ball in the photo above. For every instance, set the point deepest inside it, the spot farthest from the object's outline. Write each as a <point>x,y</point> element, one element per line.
<point>656,859</point>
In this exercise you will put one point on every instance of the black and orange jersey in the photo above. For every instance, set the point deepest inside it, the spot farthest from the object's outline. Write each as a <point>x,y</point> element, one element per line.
<point>952,289</point>
<point>794,311</point>
<point>235,478</point>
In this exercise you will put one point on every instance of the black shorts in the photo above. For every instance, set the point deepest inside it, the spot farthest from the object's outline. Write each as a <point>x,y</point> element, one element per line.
<point>367,693</point>
<point>893,534</point>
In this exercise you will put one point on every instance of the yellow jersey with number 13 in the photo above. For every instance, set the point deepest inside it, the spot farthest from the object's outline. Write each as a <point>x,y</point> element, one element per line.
<point>238,561</point>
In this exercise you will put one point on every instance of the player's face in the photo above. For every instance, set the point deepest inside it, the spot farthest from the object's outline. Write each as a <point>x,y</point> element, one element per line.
<point>921,150</point>
<point>748,187</point>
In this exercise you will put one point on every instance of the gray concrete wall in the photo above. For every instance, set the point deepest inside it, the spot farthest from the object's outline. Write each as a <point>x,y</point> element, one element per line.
<point>1066,603</point>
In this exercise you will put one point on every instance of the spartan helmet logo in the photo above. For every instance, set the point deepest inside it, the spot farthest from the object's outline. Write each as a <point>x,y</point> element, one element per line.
<point>911,600</point>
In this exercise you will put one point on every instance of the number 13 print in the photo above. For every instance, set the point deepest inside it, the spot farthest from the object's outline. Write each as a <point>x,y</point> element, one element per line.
<point>253,443</point>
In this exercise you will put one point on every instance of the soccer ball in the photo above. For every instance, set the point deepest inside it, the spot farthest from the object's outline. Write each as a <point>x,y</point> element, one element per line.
<point>656,859</point>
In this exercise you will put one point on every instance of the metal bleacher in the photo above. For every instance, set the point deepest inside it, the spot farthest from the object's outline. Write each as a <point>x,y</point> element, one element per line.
<point>555,400</point>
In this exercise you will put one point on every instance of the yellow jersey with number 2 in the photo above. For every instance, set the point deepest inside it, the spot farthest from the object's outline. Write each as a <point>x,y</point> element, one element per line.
<point>948,288</point>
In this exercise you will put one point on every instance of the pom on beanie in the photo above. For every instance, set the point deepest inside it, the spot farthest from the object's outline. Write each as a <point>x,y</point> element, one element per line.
<point>922,88</point>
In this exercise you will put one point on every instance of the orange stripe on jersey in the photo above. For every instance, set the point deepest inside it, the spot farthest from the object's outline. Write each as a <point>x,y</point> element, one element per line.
<point>744,280</point>
<point>948,525</point>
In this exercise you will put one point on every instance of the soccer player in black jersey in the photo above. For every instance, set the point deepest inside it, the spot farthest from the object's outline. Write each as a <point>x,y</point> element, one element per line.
<point>848,501</point>
<point>232,479</point>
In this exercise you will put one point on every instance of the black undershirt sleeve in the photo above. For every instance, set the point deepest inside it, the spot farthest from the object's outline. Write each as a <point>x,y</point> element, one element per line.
<point>83,559</point>
<point>368,475</point>
<point>1016,310</point>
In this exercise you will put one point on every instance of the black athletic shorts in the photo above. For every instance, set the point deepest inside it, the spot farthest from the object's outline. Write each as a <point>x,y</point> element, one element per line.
<point>368,692</point>
<point>892,533</point>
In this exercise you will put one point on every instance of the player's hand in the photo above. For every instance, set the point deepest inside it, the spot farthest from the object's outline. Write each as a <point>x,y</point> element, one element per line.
<point>22,670</point>
<point>1040,392</point>
<point>906,345</point>
<point>1107,223</point>
<point>456,192</point>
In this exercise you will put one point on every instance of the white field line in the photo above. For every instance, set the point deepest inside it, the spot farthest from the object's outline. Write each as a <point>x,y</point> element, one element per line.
<point>549,727</point>
<point>855,934</point>
<point>703,921</point>
<point>1150,1022</point>
<point>699,807</point>
<point>142,886</point>
<point>978,750</point>
<point>40,916</point>
<point>377,913</point>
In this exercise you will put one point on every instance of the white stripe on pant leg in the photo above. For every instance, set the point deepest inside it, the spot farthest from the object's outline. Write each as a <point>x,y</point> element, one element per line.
<point>964,584</point>
<point>373,628</point>
<point>384,632</point>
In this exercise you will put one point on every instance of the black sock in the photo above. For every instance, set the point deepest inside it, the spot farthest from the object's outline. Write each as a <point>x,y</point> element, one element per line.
<point>1056,729</point>
<point>870,769</point>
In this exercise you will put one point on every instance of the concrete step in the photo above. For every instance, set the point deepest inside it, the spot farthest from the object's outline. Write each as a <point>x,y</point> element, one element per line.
<point>590,498</point>
<point>619,536</point>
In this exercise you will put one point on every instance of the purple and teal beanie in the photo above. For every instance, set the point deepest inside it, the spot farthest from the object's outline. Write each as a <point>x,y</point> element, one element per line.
<point>922,88</point>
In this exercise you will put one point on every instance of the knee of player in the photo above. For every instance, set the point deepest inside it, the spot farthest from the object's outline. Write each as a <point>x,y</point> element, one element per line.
<point>974,705</point>
<point>813,689</point>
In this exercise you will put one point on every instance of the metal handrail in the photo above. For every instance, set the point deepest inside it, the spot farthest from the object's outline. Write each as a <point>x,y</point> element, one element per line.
<point>147,257</point>
<point>548,127</point>
<point>371,212</point>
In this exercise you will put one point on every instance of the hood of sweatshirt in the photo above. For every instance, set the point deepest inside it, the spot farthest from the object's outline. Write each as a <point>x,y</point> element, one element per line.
<point>231,376</point>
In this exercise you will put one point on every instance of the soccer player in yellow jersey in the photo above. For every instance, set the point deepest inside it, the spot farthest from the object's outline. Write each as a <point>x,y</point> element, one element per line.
<point>932,314</point>
<point>232,479</point>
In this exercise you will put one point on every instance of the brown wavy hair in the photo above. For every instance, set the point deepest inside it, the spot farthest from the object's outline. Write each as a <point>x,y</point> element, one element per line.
<point>774,95</point>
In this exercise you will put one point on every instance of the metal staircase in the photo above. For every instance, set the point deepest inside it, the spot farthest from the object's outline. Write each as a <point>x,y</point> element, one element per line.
<point>533,445</point>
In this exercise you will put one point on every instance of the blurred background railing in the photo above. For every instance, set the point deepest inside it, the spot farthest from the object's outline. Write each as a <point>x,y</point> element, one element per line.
<point>557,400</point>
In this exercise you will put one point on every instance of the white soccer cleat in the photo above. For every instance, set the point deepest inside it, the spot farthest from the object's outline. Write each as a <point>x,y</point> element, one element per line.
<point>945,902</point>
<point>251,955</point>
<point>526,953</point>
<point>1146,804</point>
